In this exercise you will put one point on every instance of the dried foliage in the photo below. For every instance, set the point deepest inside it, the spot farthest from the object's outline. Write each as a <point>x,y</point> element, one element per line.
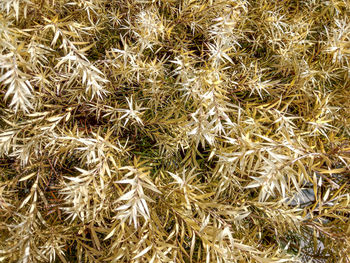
<point>174,131</point>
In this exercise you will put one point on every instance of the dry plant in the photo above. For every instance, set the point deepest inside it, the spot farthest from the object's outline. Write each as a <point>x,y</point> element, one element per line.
<point>176,131</point>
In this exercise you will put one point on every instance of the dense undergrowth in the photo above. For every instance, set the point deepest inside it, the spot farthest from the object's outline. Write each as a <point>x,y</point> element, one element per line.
<point>174,131</point>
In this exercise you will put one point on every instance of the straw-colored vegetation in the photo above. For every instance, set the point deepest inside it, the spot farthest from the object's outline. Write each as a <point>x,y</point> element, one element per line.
<point>174,131</point>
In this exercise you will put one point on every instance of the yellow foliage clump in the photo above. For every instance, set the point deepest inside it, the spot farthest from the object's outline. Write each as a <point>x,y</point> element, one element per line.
<point>182,131</point>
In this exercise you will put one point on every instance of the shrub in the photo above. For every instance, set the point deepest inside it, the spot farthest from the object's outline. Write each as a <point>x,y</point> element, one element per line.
<point>174,131</point>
